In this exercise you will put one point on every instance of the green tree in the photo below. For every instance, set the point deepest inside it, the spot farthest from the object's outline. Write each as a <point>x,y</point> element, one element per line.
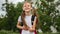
<point>13,12</point>
<point>47,12</point>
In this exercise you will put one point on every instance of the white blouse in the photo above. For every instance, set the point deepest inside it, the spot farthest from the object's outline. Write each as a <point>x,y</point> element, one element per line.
<point>28,22</point>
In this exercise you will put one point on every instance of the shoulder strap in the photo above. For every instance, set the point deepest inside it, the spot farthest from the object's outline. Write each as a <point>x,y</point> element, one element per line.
<point>32,19</point>
<point>21,22</point>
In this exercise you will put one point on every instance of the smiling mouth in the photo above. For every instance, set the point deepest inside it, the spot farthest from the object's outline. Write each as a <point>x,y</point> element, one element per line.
<point>26,8</point>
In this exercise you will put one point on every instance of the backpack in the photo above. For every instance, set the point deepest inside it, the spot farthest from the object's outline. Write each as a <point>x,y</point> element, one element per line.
<point>32,19</point>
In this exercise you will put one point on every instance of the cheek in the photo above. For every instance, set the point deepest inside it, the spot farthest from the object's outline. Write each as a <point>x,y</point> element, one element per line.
<point>30,8</point>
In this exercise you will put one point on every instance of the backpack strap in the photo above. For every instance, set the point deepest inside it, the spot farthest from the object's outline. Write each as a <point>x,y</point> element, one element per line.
<point>21,22</point>
<point>32,19</point>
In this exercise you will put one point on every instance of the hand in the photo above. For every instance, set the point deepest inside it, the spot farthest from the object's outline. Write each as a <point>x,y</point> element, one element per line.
<point>31,29</point>
<point>25,28</point>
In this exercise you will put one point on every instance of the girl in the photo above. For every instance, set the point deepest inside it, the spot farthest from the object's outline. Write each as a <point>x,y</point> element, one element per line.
<point>25,18</point>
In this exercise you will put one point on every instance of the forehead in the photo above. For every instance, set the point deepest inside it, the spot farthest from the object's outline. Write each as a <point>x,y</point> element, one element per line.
<point>26,3</point>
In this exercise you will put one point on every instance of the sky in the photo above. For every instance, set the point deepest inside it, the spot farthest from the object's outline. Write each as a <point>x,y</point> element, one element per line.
<point>15,1</point>
<point>3,1</point>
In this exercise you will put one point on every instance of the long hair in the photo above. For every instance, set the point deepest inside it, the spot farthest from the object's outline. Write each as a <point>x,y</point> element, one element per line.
<point>23,15</point>
<point>34,12</point>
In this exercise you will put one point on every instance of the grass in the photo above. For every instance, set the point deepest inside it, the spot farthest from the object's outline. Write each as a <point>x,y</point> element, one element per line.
<point>8,32</point>
<point>11,32</point>
<point>48,33</point>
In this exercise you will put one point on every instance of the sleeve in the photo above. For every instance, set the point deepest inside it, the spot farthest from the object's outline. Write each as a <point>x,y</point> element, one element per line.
<point>19,19</point>
<point>35,17</point>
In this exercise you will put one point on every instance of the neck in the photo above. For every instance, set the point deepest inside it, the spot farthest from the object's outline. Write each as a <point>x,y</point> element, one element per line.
<point>27,13</point>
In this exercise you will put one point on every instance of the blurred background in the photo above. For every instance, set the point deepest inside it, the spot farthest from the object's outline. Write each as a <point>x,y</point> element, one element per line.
<point>48,11</point>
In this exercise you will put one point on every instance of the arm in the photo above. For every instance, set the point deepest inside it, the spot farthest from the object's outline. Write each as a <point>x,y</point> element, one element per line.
<point>18,25</point>
<point>21,27</point>
<point>33,26</point>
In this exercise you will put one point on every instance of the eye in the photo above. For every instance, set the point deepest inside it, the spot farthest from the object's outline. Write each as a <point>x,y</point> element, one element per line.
<point>28,5</point>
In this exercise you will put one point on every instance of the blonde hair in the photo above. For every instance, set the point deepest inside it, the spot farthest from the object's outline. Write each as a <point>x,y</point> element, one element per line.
<point>23,14</point>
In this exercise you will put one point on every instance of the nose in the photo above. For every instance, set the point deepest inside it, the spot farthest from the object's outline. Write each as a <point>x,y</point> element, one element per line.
<point>26,6</point>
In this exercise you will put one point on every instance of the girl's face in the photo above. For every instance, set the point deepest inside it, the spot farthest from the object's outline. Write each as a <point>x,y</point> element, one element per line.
<point>27,7</point>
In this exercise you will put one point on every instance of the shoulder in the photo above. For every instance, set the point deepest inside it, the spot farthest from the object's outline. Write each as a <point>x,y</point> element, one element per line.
<point>19,18</point>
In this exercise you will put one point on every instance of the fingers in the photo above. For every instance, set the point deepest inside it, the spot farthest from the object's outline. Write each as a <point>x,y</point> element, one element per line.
<point>28,28</point>
<point>31,29</point>
<point>25,28</point>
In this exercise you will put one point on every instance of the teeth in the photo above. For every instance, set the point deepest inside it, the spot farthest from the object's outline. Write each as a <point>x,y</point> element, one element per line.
<point>28,8</point>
